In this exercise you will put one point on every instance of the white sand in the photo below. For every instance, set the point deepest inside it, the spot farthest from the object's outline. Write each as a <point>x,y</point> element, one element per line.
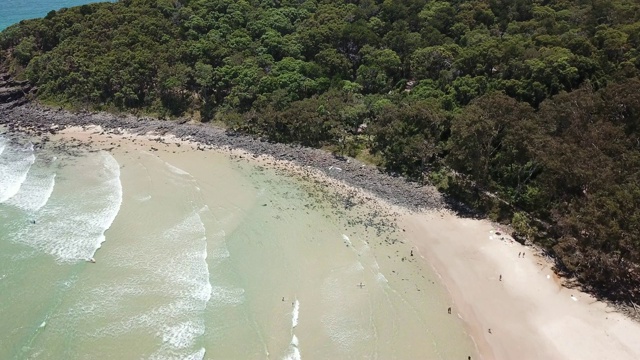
<point>531,316</point>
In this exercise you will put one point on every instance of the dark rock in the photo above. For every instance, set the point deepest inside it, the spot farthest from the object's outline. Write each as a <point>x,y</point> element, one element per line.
<point>393,189</point>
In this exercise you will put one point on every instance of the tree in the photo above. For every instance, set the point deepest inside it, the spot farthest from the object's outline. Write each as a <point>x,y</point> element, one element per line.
<point>428,63</point>
<point>408,136</point>
<point>493,140</point>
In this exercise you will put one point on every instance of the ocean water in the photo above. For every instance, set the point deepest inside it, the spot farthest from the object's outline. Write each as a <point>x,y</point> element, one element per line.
<point>200,255</point>
<point>12,11</point>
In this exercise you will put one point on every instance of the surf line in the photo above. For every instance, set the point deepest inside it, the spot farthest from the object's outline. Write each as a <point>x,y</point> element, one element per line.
<point>295,314</point>
<point>294,346</point>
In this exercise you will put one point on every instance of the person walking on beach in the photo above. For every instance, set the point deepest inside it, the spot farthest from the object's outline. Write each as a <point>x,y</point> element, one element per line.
<point>500,277</point>
<point>449,310</point>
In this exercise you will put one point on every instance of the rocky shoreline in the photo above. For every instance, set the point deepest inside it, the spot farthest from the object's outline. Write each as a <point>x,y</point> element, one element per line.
<point>12,92</point>
<point>42,121</point>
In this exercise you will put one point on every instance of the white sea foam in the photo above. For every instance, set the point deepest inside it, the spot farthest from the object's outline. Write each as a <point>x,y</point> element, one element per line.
<point>343,331</point>
<point>220,253</point>
<point>175,270</point>
<point>187,281</point>
<point>374,265</point>
<point>183,334</point>
<point>176,262</point>
<point>198,355</point>
<point>346,240</point>
<point>144,198</point>
<point>355,268</point>
<point>294,350</point>
<point>195,277</point>
<point>38,186</point>
<point>15,163</point>
<point>160,279</point>
<point>295,355</point>
<point>226,296</point>
<point>34,192</point>
<point>163,354</point>
<point>72,228</point>
<point>190,225</point>
<point>177,170</point>
<point>205,289</point>
<point>219,234</point>
<point>295,313</point>
<point>381,278</point>
<point>104,300</point>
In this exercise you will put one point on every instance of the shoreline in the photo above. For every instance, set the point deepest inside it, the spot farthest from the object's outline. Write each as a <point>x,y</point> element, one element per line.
<point>531,315</point>
<point>43,121</point>
<point>372,212</point>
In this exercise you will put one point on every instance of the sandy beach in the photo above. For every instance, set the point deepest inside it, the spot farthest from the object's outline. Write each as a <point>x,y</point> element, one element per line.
<point>530,314</point>
<point>513,306</point>
<point>399,297</point>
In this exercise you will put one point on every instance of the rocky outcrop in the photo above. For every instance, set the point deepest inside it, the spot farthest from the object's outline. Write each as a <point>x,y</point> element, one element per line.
<point>41,120</point>
<point>18,114</point>
<point>12,92</point>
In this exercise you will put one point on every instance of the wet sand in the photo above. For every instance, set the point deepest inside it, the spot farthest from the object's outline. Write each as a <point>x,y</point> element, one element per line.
<point>399,312</point>
<point>530,314</point>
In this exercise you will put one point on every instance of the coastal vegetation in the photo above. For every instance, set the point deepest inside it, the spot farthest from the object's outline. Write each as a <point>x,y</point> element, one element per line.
<point>528,111</point>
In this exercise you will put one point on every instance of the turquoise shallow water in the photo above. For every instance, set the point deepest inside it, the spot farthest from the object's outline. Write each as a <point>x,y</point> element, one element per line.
<point>200,255</point>
<point>12,11</point>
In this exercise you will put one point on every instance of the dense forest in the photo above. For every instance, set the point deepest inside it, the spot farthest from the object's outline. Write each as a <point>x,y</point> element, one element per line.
<point>526,110</point>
